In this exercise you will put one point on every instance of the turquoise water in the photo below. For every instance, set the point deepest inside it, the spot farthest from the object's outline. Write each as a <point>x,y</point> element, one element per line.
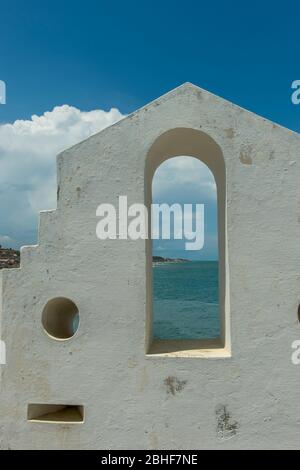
<point>186,300</point>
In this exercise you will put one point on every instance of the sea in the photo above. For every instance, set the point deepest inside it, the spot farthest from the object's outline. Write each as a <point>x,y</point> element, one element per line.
<point>186,300</point>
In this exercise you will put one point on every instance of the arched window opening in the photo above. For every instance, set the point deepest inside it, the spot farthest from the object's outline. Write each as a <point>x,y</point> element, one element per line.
<point>185,285</point>
<point>187,290</point>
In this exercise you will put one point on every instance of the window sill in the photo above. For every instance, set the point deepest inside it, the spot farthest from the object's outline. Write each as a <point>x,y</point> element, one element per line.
<point>211,348</point>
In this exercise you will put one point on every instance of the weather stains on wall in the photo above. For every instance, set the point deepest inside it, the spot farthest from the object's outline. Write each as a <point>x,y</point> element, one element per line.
<point>226,426</point>
<point>174,385</point>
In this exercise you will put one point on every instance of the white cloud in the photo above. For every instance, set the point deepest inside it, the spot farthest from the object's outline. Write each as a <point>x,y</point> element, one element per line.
<point>191,178</point>
<point>5,240</point>
<point>186,180</point>
<point>28,167</point>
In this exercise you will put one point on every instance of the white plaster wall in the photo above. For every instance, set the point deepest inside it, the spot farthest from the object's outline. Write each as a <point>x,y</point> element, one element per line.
<point>104,367</point>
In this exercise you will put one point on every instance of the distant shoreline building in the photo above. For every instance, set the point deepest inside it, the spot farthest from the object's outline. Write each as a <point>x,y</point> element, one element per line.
<point>9,258</point>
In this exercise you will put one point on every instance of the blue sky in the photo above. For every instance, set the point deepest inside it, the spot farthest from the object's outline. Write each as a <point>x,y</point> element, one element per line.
<point>97,55</point>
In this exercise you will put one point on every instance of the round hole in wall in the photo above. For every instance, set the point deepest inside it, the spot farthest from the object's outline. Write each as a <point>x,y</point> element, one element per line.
<point>60,318</point>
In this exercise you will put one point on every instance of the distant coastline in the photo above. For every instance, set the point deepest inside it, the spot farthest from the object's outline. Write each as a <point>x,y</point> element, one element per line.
<point>9,258</point>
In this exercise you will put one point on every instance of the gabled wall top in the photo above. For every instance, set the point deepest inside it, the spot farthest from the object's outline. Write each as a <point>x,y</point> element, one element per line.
<point>187,94</point>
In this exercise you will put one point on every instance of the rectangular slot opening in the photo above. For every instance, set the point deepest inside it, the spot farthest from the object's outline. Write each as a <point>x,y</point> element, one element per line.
<point>45,413</point>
